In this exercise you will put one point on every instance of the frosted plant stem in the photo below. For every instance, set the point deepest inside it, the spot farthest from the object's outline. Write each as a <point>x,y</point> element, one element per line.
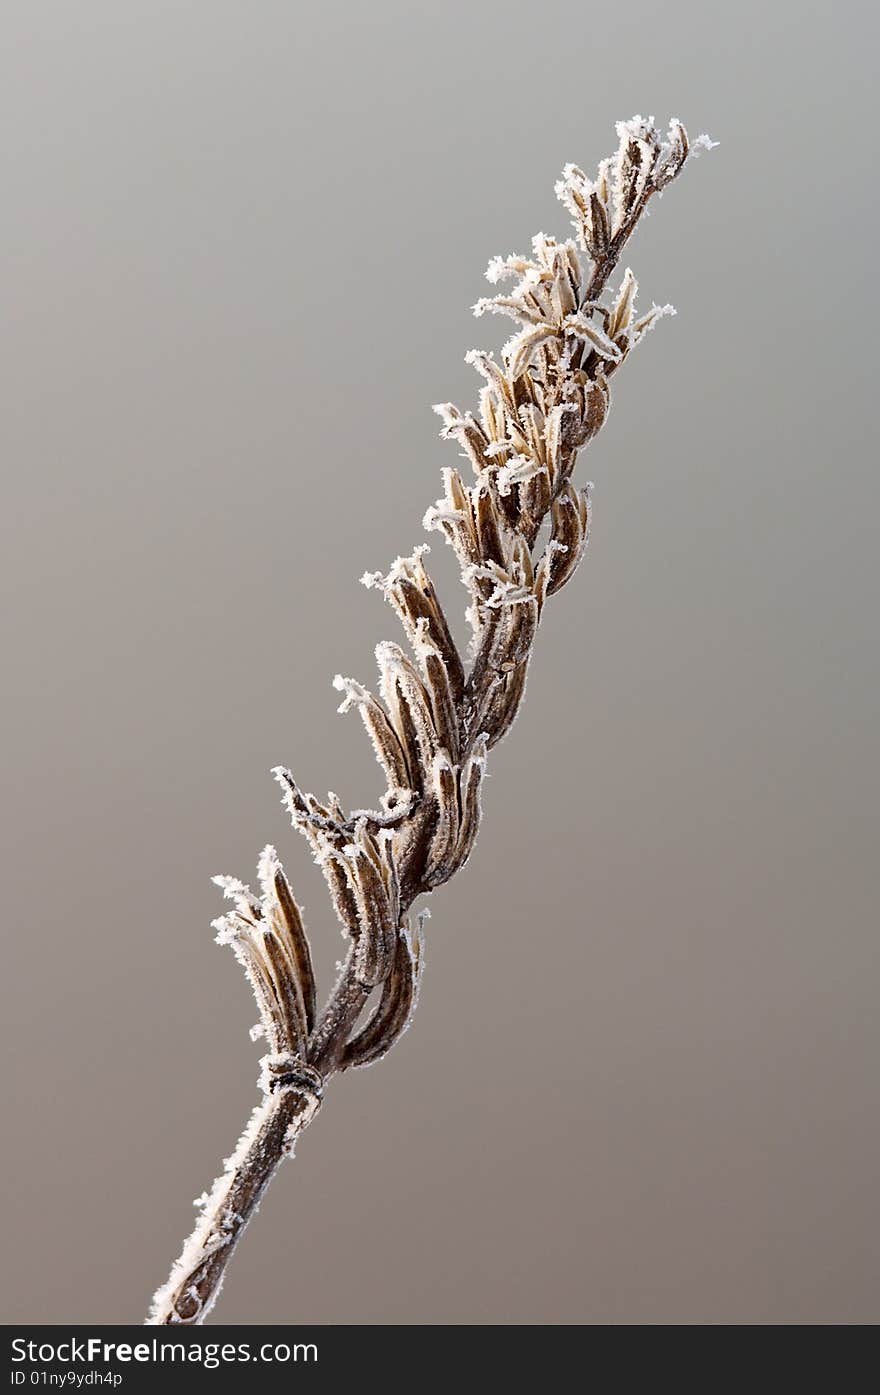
<point>270,1136</point>
<point>198,1275</point>
<point>436,718</point>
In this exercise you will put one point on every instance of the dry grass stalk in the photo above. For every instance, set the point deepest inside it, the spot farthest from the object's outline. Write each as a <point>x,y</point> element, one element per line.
<point>437,717</point>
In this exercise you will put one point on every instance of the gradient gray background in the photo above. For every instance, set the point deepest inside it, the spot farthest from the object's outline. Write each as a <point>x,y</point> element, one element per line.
<point>239,245</point>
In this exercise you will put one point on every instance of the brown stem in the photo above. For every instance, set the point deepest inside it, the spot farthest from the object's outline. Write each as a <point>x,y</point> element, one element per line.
<point>197,1276</point>
<point>271,1135</point>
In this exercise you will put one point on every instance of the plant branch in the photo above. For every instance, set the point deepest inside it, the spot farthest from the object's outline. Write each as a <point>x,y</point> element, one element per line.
<point>437,716</point>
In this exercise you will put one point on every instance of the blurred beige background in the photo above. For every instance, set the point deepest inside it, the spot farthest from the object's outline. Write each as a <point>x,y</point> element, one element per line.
<point>239,245</point>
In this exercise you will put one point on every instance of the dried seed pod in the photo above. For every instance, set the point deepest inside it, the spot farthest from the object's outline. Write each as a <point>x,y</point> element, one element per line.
<point>534,500</point>
<point>506,699</point>
<point>452,517</point>
<point>503,268</point>
<point>673,154</point>
<point>678,140</point>
<point>622,312</point>
<point>276,962</point>
<point>543,572</point>
<point>465,429</point>
<point>572,191</point>
<point>570,516</point>
<point>648,321</point>
<point>588,412</point>
<point>401,719</point>
<point>444,787</point>
<point>554,448</point>
<point>581,327</point>
<point>516,307</point>
<point>532,421</point>
<point>404,695</point>
<point>470,781</point>
<point>494,375</point>
<point>520,567</point>
<point>377,918</point>
<point>241,941</point>
<point>410,590</point>
<point>490,525</point>
<point>515,634</point>
<point>529,388</point>
<point>492,415</point>
<point>384,739</point>
<point>517,471</point>
<point>285,918</point>
<point>481,672</point>
<point>588,204</point>
<point>340,884</point>
<point>575,269</point>
<point>285,990</point>
<point>519,351</point>
<point>384,843</point>
<point>440,694</point>
<point>599,234</point>
<point>504,646</point>
<point>419,596</point>
<point>397,1003</point>
<point>632,168</point>
<point>564,288</point>
<point>597,400</point>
